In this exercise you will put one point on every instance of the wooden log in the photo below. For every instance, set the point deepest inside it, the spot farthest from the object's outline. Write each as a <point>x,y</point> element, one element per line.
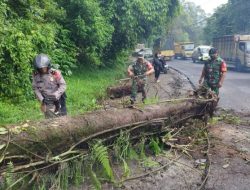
<point>123,89</point>
<point>54,136</point>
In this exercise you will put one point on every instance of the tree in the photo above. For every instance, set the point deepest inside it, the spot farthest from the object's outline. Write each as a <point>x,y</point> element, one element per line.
<point>72,32</point>
<point>188,26</point>
<point>218,24</point>
<point>230,18</point>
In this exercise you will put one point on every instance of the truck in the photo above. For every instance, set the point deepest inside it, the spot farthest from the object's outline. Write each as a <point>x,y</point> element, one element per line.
<point>183,50</point>
<point>165,46</point>
<point>167,50</point>
<point>234,49</point>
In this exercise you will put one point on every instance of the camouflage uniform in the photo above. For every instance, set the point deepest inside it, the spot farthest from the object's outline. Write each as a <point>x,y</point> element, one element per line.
<point>50,89</point>
<point>213,70</point>
<point>139,71</point>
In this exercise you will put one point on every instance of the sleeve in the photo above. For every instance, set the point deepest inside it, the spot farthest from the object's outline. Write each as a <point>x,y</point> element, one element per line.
<point>36,90</point>
<point>149,65</point>
<point>223,66</point>
<point>153,62</point>
<point>130,67</point>
<point>61,85</point>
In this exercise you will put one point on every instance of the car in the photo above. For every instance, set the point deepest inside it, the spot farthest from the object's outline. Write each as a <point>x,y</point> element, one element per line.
<point>147,53</point>
<point>200,53</point>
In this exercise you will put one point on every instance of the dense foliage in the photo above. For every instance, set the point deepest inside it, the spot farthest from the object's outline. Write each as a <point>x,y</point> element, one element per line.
<point>231,18</point>
<point>72,33</point>
<point>189,24</point>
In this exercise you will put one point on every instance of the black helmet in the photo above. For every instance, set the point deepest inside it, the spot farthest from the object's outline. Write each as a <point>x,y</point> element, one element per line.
<point>41,61</point>
<point>212,51</point>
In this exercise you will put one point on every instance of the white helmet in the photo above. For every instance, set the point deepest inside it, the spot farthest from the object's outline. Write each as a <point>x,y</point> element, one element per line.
<point>41,61</point>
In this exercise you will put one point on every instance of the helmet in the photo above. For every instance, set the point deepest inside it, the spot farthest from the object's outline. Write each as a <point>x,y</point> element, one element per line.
<point>212,51</point>
<point>41,61</point>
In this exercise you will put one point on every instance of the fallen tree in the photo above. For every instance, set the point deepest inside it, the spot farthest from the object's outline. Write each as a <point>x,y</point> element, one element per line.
<point>119,91</point>
<point>47,142</point>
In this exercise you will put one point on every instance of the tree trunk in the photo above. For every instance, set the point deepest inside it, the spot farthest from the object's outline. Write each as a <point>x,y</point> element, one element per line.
<point>60,134</point>
<point>122,90</point>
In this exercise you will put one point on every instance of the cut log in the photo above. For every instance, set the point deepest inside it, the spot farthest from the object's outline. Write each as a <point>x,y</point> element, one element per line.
<point>122,90</point>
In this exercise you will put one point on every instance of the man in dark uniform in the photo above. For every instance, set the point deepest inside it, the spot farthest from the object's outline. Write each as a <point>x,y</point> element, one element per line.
<point>49,87</point>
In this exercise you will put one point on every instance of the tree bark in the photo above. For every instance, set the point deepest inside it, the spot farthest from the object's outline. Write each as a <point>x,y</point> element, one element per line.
<point>58,135</point>
<point>122,90</point>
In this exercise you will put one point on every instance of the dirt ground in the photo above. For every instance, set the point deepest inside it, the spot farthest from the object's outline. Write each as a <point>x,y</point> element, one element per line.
<point>227,161</point>
<point>230,157</point>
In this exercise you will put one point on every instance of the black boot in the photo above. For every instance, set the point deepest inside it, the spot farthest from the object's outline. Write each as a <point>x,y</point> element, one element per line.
<point>132,100</point>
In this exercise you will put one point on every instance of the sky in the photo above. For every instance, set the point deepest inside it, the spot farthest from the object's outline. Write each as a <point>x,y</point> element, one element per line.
<point>209,5</point>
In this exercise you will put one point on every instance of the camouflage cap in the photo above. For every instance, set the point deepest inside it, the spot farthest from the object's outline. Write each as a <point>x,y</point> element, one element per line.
<point>140,55</point>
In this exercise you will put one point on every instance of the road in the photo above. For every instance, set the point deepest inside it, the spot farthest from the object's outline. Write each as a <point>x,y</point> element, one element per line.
<point>235,93</point>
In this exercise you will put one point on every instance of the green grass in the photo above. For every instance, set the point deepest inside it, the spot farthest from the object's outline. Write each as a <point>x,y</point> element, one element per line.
<point>84,88</point>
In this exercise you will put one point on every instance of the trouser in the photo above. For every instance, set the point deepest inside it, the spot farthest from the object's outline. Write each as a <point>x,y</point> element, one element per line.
<point>157,72</point>
<point>212,87</point>
<point>205,91</point>
<point>134,88</point>
<point>62,101</point>
<point>56,108</point>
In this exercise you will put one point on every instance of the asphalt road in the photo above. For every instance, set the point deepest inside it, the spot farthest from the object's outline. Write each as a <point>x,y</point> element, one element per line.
<point>235,93</point>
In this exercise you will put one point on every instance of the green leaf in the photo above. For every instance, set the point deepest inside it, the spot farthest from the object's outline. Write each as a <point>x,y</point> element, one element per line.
<point>3,131</point>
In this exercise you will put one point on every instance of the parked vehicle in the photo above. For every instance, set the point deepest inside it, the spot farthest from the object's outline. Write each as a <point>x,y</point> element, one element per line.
<point>138,48</point>
<point>147,53</point>
<point>167,50</point>
<point>177,50</point>
<point>184,50</point>
<point>200,53</point>
<point>235,50</point>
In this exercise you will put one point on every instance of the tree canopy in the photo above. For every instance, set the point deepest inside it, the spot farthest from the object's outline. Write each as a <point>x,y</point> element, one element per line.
<point>230,18</point>
<point>72,33</point>
<point>189,24</point>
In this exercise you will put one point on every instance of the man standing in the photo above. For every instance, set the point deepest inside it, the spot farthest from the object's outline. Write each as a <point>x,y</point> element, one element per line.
<point>158,66</point>
<point>213,72</point>
<point>139,72</point>
<point>49,87</point>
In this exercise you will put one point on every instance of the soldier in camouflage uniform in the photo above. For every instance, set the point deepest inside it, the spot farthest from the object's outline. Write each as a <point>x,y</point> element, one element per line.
<point>213,72</point>
<point>139,72</point>
<point>49,87</point>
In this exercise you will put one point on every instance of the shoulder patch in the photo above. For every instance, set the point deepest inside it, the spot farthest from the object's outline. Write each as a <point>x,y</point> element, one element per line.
<point>35,73</point>
<point>56,74</point>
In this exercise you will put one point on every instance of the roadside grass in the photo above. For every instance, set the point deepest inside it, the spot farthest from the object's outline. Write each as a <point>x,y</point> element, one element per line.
<point>84,88</point>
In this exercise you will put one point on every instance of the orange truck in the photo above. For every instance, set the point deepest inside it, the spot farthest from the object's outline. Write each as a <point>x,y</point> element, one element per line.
<point>183,50</point>
<point>165,46</point>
